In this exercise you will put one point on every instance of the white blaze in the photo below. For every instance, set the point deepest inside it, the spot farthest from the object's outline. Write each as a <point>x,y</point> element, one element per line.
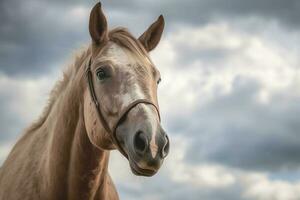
<point>153,145</point>
<point>119,56</point>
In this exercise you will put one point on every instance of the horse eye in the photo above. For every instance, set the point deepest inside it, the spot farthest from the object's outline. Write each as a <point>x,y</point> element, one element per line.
<point>158,81</point>
<point>101,74</point>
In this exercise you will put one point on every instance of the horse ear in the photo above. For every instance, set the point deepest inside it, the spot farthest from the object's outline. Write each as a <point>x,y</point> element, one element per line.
<point>151,37</point>
<point>98,25</point>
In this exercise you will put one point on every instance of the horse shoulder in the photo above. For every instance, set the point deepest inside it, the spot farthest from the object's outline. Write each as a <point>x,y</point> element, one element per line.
<point>20,173</point>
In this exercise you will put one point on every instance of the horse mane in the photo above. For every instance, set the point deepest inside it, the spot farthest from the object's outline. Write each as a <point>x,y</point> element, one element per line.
<point>120,36</point>
<point>60,86</point>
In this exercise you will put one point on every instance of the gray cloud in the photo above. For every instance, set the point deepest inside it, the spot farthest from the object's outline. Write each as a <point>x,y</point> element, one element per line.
<point>236,131</point>
<point>286,12</point>
<point>34,37</point>
<point>197,12</point>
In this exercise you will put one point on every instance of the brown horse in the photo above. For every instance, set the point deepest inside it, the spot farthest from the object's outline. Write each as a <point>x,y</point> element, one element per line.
<point>106,100</point>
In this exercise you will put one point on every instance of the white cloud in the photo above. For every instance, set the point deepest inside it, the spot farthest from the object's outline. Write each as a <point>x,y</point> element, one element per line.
<point>76,16</point>
<point>259,187</point>
<point>198,176</point>
<point>273,67</point>
<point>27,96</point>
<point>4,150</point>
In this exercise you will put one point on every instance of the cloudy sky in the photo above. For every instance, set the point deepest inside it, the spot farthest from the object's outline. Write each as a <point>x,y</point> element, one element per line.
<point>230,90</point>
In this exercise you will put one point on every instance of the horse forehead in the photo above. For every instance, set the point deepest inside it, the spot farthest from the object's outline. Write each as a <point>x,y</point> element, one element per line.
<point>117,54</point>
<point>124,57</point>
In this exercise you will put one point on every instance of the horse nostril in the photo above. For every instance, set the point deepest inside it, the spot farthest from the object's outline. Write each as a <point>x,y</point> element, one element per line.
<point>140,142</point>
<point>166,147</point>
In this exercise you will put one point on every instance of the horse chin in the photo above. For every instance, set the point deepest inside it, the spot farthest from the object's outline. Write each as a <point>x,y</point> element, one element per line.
<point>136,170</point>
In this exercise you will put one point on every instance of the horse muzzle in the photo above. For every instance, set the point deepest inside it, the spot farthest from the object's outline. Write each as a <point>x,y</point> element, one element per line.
<point>144,141</point>
<point>147,155</point>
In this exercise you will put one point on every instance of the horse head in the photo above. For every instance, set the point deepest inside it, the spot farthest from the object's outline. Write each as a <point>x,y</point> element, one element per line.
<point>120,103</point>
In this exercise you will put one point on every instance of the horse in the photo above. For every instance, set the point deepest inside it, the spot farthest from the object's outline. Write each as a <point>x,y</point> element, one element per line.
<point>106,100</point>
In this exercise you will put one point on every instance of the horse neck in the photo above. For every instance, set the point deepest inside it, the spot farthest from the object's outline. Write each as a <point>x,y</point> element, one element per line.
<point>88,167</point>
<point>72,163</point>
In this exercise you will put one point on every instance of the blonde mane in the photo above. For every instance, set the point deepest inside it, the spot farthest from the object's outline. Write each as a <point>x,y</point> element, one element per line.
<point>60,86</point>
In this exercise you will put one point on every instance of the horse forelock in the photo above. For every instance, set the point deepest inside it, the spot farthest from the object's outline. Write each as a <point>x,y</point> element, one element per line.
<point>124,39</point>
